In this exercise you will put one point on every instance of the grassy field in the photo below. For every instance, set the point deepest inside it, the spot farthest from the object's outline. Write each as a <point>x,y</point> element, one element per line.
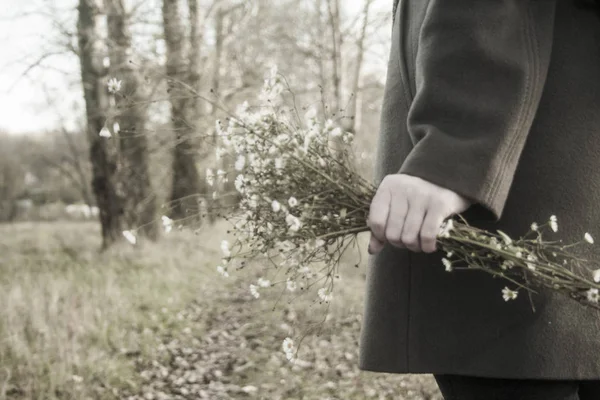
<point>156,321</point>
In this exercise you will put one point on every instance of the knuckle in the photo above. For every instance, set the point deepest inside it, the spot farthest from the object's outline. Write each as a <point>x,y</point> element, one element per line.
<point>392,235</point>
<point>427,240</point>
<point>409,239</point>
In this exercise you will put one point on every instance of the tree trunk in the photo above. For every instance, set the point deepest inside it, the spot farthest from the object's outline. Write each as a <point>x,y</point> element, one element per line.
<point>140,199</point>
<point>350,123</point>
<point>103,151</point>
<point>197,20</point>
<point>185,190</point>
<point>216,70</point>
<point>333,7</point>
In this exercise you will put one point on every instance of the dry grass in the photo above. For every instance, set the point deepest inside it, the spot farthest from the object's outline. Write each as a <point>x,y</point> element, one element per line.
<point>157,321</point>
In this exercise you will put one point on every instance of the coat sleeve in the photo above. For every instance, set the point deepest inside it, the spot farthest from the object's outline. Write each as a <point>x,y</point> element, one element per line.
<point>480,69</point>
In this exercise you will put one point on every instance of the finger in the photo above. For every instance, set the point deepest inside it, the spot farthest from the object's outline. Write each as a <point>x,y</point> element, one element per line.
<point>395,221</point>
<point>378,213</point>
<point>375,246</point>
<point>430,229</point>
<point>412,224</point>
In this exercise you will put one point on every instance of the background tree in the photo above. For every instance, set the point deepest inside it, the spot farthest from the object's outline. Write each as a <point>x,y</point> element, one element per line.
<point>186,180</point>
<point>103,151</point>
<point>130,115</point>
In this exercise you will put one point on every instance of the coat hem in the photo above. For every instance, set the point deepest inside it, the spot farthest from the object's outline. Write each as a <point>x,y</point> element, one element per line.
<point>429,371</point>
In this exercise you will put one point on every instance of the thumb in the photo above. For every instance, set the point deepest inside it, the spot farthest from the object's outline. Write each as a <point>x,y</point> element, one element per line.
<point>462,203</point>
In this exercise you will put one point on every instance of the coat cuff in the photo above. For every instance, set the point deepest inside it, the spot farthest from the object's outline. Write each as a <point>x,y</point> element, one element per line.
<point>453,169</point>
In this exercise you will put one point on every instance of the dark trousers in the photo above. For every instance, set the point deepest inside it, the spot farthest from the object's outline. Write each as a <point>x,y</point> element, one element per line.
<point>460,387</point>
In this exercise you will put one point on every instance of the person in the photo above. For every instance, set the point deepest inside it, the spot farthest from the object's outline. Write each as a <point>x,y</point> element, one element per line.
<point>491,111</point>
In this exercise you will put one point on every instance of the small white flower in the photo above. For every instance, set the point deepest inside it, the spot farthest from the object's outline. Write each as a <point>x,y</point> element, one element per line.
<point>293,222</point>
<point>253,201</point>
<point>130,236</point>
<point>293,202</point>
<point>210,177</point>
<point>225,248</point>
<point>275,206</point>
<point>534,226</point>
<point>324,294</point>
<point>167,223</point>
<point>553,223</point>
<point>239,183</point>
<point>448,264</point>
<point>304,270</point>
<point>588,238</point>
<point>257,164</point>
<point>507,264</point>
<point>249,389</point>
<point>220,152</point>
<point>264,282</point>
<point>222,271</point>
<point>508,294</point>
<point>221,174</point>
<point>104,132</point>
<point>279,163</point>
<point>288,348</point>
<point>531,265</point>
<point>254,291</point>
<point>291,285</point>
<point>449,254</point>
<point>288,345</point>
<point>114,85</point>
<point>116,128</point>
<point>336,132</point>
<point>446,228</point>
<point>348,137</point>
<point>250,139</point>
<point>240,162</point>
<point>597,275</point>
<point>282,138</point>
<point>592,295</point>
<point>518,254</point>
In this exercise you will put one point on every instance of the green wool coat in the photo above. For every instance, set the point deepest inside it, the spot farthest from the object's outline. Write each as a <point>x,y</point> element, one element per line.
<point>499,101</point>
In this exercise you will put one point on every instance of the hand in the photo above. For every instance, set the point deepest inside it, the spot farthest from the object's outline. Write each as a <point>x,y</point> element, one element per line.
<point>408,211</point>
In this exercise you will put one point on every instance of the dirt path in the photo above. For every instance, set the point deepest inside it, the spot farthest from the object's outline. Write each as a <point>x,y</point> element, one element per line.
<point>226,353</point>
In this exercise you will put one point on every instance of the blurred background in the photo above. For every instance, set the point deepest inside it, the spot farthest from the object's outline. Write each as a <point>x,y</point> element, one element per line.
<point>108,111</point>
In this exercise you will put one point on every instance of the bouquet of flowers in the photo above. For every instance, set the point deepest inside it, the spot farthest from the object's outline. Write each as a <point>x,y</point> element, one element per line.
<point>302,204</point>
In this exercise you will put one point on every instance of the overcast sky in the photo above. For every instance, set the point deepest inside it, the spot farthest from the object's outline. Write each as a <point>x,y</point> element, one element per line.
<point>24,102</point>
